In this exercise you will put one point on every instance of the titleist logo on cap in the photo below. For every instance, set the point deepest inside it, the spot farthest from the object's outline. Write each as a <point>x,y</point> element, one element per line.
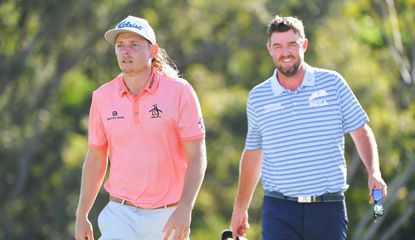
<point>129,24</point>
<point>132,24</point>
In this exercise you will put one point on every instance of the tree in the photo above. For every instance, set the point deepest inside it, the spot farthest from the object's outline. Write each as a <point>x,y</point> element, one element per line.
<point>52,56</point>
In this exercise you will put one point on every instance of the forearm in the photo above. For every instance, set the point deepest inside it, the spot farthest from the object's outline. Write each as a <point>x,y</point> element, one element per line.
<point>93,173</point>
<point>367,148</point>
<point>196,153</point>
<point>249,175</point>
<point>365,142</point>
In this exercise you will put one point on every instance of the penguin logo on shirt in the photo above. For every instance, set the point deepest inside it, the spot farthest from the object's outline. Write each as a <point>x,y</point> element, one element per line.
<point>155,112</point>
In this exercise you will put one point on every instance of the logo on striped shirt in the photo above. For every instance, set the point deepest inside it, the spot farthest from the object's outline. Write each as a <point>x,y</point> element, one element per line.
<point>316,99</point>
<point>273,107</point>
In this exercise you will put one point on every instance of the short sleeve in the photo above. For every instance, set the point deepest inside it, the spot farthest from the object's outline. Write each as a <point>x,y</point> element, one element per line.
<point>96,132</point>
<point>253,138</point>
<point>190,120</point>
<point>353,115</point>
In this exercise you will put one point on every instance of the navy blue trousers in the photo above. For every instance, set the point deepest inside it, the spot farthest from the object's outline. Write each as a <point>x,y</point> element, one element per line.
<point>284,219</point>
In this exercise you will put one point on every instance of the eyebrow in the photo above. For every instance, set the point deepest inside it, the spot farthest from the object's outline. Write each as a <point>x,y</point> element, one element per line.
<point>128,41</point>
<point>291,42</point>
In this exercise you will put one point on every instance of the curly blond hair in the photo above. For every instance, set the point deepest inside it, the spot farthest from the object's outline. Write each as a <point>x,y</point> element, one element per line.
<point>163,63</point>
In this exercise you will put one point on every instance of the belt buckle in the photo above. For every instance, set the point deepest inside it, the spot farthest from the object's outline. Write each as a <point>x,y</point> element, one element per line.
<point>305,199</point>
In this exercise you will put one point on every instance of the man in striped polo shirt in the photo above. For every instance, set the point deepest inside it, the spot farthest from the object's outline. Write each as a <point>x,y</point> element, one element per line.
<point>296,124</point>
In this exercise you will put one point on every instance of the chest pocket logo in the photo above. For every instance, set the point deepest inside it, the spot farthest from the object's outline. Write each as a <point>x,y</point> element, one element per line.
<point>155,112</point>
<point>317,99</point>
<point>114,116</point>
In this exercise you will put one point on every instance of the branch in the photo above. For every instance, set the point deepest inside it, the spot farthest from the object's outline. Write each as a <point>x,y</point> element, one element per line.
<point>24,160</point>
<point>396,47</point>
<point>398,223</point>
<point>393,188</point>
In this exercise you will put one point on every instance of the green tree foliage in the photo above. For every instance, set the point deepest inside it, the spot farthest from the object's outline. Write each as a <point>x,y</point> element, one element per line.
<point>53,55</point>
<point>372,50</point>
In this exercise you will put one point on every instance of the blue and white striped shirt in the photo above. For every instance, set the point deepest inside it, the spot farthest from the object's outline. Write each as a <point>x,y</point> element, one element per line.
<point>301,133</point>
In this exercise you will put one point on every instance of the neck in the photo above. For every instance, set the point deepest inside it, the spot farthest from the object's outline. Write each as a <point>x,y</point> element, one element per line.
<point>136,82</point>
<point>292,82</point>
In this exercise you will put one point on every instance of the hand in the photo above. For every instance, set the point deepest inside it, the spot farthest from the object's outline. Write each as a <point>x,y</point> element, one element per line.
<point>83,229</point>
<point>239,223</point>
<point>376,181</point>
<point>178,224</point>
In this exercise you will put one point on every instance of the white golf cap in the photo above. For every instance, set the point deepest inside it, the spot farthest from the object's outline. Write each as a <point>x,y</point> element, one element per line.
<point>132,24</point>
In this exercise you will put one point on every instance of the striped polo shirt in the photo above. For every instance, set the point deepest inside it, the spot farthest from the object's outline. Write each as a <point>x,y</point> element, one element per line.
<point>301,132</point>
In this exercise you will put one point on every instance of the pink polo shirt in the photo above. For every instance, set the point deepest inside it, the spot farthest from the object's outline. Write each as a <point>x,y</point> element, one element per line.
<point>144,137</point>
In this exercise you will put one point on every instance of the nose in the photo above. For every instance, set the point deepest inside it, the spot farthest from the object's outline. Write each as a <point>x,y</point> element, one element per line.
<point>285,51</point>
<point>125,50</point>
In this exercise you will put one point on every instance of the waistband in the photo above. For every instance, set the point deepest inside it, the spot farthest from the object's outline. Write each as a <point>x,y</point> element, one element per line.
<point>125,202</point>
<point>327,197</point>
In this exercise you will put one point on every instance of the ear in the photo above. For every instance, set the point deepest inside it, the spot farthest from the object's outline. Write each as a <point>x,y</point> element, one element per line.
<point>269,48</point>
<point>305,44</point>
<point>154,49</point>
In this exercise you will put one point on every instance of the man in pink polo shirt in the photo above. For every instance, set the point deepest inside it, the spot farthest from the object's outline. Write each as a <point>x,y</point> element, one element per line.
<point>148,123</point>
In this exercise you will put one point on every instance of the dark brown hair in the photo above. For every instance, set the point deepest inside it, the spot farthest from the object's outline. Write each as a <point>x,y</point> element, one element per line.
<point>284,24</point>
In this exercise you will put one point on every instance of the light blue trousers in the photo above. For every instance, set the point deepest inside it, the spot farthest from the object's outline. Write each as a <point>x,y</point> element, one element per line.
<point>122,222</point>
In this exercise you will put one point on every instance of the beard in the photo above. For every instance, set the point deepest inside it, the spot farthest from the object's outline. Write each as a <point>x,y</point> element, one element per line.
<point>289,71</point>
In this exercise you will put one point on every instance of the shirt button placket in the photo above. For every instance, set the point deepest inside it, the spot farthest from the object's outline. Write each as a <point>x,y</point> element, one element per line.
<point>136,110</point>
<point>292,102</point>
